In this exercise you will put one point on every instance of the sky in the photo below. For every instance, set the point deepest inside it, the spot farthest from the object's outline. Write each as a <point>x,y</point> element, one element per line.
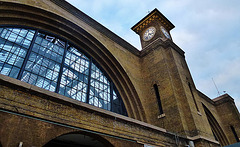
<point>207,30</point>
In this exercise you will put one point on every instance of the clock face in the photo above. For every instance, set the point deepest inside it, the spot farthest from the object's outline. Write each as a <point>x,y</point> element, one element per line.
<point>165,32</point>
<point>149,33</point>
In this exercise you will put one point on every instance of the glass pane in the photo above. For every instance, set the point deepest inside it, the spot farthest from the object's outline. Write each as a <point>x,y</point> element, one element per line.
<point>43,63</point>
<point>3,55</point>
<point>74,81</point>
<point>6,69</point>
<point>32,79</point>
<point>25,76</point>
<point>13,50</point>
<point>1,64</point>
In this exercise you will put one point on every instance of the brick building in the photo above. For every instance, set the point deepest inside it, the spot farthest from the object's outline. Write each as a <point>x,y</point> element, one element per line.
<point>66,80</point>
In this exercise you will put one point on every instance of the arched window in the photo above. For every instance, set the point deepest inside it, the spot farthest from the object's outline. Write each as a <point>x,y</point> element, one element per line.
<point>216,128</point>
<point>56,65</point>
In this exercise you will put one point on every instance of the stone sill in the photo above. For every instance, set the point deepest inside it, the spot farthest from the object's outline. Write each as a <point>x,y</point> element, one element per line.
<point>161,116</point>
<point>199,113</point>
<point>9,80</point>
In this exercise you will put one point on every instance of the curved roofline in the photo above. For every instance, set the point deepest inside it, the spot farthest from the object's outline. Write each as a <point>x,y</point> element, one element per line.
<point>99,27</point>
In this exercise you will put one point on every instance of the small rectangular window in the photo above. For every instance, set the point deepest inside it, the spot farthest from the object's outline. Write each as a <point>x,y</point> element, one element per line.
<point>158,98</point>
<point>234,133</point>
<point>189,85</point>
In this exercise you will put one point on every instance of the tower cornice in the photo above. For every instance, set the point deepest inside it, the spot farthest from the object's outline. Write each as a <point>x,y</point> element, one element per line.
<point>154,15</point>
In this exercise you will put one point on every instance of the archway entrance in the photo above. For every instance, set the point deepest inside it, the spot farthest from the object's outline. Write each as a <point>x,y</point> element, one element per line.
<point>78,140</point>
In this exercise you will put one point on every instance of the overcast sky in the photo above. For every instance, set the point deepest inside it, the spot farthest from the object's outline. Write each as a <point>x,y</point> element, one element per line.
<point>207,30</point>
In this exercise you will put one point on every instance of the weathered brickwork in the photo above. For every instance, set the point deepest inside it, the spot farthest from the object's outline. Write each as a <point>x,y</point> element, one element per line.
<point>36,116</point>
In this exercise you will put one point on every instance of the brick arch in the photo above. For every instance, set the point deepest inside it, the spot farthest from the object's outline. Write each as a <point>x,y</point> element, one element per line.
<point>24,15</point>
<point>216,128</point>
<point>94,137</point>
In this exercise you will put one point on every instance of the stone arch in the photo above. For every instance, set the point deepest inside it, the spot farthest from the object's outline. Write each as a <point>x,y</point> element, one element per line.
<point>78,139</point>
<point>24,15</point>
<point>216,128</point>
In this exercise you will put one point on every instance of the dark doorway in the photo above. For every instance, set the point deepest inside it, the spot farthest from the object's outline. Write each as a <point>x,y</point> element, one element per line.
<point>78,140</point>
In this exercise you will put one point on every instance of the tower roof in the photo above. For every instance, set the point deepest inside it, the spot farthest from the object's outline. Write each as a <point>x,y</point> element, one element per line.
<point>154,15</point>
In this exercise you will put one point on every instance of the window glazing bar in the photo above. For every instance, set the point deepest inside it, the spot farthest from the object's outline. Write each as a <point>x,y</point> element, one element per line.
<point>111,95</point>
<point>89,80</point>
<point>61,67</point>
<point>27,56</point>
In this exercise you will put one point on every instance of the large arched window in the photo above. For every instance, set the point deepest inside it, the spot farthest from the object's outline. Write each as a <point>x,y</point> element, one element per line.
<point>54,64</point>
<point>216,128</point>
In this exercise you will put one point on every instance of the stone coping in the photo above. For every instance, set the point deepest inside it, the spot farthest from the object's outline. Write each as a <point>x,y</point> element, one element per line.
<point>222,97</point>
<point>218,100</point>
<point>202,137</point>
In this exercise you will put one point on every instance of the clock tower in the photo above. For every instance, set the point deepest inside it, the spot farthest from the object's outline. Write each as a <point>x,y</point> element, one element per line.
<point>167,80</point>
<point>155,26</point>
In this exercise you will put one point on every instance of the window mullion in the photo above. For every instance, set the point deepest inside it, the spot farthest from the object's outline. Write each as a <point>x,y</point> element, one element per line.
<point>27,56</point>
<point>61,68</point>
<point>111,95</point>
<point>89,80</point>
